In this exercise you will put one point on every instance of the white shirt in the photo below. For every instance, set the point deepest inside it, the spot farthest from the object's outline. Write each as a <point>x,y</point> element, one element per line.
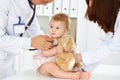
<point>11,44</point>
<point>110,44</point>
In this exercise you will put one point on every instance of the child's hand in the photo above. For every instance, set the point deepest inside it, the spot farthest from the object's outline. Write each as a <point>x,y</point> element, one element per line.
<point>85,75</point>
<point>59,49</point>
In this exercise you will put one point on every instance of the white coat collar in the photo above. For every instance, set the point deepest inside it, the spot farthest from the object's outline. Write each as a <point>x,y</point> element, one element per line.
<point>117,20</point>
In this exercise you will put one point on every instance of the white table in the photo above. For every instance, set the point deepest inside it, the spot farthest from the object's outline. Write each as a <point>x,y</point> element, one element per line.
<point>103,72</point>
<point>106,72</point>
<point>31,75</point>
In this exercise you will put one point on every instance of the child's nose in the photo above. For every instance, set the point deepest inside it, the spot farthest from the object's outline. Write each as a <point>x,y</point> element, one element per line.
<point>53,29</point>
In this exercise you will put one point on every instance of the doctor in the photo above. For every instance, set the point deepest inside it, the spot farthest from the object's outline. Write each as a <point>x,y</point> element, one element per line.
<point>15,16</point>
<point>107,14</point>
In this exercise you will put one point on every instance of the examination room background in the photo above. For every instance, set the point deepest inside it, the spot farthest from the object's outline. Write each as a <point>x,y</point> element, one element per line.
<point>85,33</point>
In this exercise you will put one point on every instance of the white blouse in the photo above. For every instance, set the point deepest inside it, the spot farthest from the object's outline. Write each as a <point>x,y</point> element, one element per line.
<point>110,44</point>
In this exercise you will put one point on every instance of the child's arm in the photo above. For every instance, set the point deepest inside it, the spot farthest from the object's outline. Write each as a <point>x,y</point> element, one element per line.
<point>52,51</point>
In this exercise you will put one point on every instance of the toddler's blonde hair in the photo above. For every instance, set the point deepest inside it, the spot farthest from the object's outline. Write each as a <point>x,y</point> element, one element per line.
<point>63,18</point>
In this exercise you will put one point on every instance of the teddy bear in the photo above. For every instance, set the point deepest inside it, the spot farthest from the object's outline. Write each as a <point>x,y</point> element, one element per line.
<point>65,60</point>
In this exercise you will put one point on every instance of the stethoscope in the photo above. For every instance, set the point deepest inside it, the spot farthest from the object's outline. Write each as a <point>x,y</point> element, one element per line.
<point>30,21</point>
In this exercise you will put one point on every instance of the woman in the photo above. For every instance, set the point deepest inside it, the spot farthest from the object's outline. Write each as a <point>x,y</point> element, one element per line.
<point>107,14</point>
<point>14,16</point>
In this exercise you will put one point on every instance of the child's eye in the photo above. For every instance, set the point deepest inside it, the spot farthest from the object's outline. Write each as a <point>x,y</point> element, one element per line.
<point>57,27</point>
<point>51,26</point>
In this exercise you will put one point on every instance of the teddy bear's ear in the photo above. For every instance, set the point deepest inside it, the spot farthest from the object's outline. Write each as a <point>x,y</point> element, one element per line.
<point>70,45</point>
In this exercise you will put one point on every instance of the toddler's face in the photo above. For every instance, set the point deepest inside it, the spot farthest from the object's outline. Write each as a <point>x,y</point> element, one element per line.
<point>57,29</point>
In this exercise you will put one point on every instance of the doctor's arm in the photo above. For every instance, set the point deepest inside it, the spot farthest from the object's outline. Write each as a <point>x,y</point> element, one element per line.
<point>13,44</point>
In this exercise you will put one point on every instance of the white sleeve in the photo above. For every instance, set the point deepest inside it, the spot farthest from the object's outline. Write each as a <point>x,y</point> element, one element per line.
<point>93,57</point>
<point>34,28</point>
<point>13,44</point>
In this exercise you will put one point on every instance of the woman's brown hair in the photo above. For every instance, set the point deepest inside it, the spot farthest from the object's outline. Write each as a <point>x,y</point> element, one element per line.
<point>104,12</point>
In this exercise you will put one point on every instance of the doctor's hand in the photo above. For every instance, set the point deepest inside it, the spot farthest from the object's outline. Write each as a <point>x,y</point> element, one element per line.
<point>42,42</point>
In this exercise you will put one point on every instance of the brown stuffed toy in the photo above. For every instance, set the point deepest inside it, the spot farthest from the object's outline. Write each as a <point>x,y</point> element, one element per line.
<point>65,60</point>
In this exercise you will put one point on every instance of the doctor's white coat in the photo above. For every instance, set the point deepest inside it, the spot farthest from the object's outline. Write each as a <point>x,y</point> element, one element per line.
<point>10,43</point>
